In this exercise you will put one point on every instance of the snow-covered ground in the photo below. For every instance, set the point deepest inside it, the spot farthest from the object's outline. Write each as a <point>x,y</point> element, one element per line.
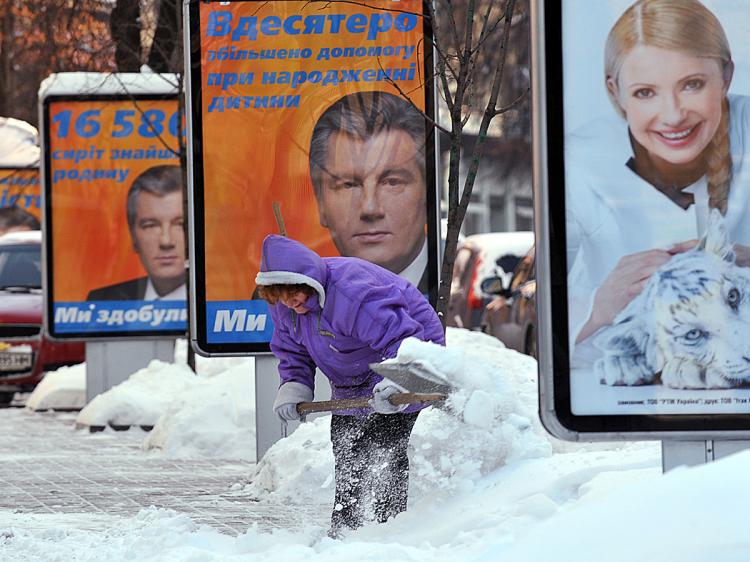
<point>487,484</point>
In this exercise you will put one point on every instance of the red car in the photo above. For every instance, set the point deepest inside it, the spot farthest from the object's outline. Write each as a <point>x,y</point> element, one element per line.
<point>25,354</point>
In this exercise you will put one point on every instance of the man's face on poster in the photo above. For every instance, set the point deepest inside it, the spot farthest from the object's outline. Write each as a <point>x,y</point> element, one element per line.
<point>372,197</point>
<point>159,237</point>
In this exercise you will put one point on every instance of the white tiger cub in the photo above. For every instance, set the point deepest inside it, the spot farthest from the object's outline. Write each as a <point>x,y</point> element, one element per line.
<point>690,324</point>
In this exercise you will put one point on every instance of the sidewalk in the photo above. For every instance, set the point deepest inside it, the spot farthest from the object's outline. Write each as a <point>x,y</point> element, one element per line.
<point>49,467</point>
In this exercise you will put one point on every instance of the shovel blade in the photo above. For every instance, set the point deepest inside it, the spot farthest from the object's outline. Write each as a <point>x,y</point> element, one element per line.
<point>414,376</point>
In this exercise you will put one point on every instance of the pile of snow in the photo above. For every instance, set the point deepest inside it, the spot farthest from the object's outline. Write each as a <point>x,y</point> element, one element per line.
<point>298,468</point>
<point>211,415</point>
<point>214,417</point>
<point>489,420</point>
<point>690,515</point>
<point>141,399</point>
<point>19,143</point>
<point>63,389</point>
<point>209,366</point>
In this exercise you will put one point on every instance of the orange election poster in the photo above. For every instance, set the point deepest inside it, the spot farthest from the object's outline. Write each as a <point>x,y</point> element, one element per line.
<point>267,72</point>
<point>112,247</point>
<point>19,187</point>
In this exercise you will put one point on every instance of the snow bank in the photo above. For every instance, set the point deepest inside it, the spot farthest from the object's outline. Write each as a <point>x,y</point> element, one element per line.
<point>690,515</point>
<point>208,366</point>
<point>488,421</point>
<point>214,417</point>
<point>141,399</point>
<point>209,415</point>
<point>298,468</point>
<point>63,389</point>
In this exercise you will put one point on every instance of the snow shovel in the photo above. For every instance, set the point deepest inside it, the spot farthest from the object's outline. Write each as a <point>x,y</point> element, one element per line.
<point>414,376</point>
<point>422,383</point>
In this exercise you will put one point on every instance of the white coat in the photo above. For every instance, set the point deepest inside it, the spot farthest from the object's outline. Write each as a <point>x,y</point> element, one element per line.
<point>612,212</point>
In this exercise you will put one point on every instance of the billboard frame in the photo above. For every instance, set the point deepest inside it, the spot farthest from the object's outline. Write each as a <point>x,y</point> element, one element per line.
<point>551,265</point>
<point>48,239</point>
<point>196,182</point>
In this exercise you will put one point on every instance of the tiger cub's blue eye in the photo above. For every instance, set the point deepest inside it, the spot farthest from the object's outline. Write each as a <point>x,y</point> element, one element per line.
<point>694,334</point>
<point>733,297</point>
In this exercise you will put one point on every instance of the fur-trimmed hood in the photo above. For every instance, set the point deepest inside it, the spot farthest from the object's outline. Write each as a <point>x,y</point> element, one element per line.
<point>286,261</point>
<point>361,315</point>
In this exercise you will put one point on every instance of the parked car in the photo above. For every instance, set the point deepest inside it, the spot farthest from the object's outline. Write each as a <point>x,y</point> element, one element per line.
<point>511,315</point>
<point>479,256</point>
<point>25,353</point>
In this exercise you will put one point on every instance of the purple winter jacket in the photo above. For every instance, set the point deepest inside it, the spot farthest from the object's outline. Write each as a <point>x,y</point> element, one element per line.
<point>360,315</point>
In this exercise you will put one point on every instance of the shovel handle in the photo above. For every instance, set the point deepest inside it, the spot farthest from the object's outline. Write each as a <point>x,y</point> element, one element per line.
<point>304,408</point>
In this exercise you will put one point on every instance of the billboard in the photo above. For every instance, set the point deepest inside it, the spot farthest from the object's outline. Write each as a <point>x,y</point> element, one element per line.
<point>317,108</point>
<point>20,190</point>
<point>19,187</point>
<point>115,248</point>
<point>643,217</point>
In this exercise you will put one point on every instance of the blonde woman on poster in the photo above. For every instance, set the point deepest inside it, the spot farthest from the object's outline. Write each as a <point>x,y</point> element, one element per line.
<point>640,188</point>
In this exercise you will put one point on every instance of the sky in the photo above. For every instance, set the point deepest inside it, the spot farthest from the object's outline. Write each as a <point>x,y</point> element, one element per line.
<point>487,481</point>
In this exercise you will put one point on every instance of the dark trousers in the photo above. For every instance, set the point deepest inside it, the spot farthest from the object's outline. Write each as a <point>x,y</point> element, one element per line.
<point>371,467</point>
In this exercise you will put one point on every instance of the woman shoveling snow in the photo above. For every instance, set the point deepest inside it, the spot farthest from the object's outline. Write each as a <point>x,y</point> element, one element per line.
<point>340,315</point>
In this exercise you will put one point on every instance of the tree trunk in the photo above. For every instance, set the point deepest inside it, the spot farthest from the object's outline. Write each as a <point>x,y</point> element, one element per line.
<point>126,34</point>
<point>459,202</point>
<point>6,67</point>
<point>162,57</point>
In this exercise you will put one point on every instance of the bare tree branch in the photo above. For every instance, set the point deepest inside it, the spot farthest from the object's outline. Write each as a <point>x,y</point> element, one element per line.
<point>515,103</point>
<point>489,113</point>
<point>432,122</point>
<point>441,63</point>
<point>466,85</point>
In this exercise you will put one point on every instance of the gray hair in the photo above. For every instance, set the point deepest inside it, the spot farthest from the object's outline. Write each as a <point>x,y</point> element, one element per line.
<point>362,115</point>
<point>158,180</point>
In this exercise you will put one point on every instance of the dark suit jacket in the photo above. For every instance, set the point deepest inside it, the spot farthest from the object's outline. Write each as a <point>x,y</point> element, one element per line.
<point>424,282</point>
<point>132,290</point>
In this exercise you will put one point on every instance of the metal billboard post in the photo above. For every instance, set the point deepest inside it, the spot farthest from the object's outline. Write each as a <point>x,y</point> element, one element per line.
<point>268,427</point>
<point>112,362</point>
<point>693,453</point>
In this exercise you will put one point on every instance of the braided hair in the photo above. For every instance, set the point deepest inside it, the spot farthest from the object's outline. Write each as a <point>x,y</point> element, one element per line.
<point>686,26</point>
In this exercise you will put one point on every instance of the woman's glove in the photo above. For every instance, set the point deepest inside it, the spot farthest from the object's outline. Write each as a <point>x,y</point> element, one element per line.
<point>289,395</point>
<point>380,394</point>
<point>287,412</point>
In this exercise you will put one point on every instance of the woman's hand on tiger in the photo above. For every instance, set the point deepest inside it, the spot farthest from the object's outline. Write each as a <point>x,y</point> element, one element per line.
<point>683,246</point>
<point>622,285</point>
<point>742,255</point>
